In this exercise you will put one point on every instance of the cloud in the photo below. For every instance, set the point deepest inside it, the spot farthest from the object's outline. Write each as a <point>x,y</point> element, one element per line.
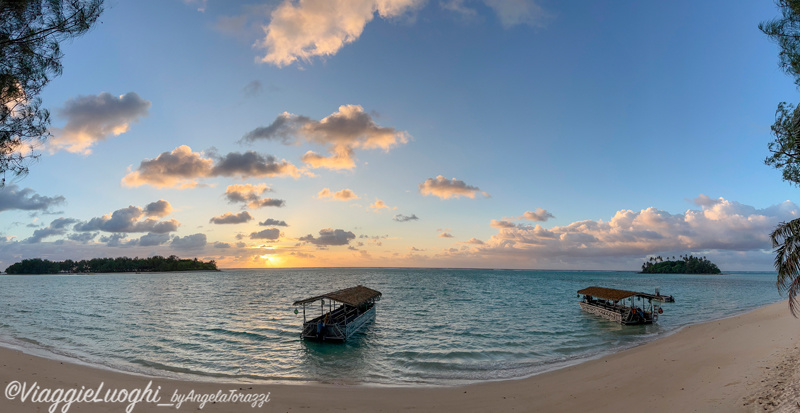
<point>378,205</point>
<point>474,241</point>
<point>273,223</point>
<point>222,245</point>
<point>445,235</point>
<point>160,208</point>
<point>445,189</point>
<point>189,242</point>
<point>11,197</point>
<point>341,132</point>
<point>303,29</point>
<point>343,195</point>
<point>231,218</point>
<point>181,168</point>
<point>405,218</point>
<point>56,227</point>
<point>83,237</point>
<point>515,12</point>
<point>270,234</point>
<point>151,239</point>
<point>329,236</point>
<point>539,215</point>
<point>719,225</point>
<point>116,240</point>
<point>501,224</point>
<point>267,202</point>
<point>127,220</point>
<point>252,164</point>
<point>245,193</point>
<point>509,12</point>
<point>251,194</point>
<point>252,89</point>
<point>91,119</point>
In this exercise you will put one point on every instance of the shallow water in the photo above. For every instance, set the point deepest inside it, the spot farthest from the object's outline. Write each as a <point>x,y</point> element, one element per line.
<point>433,326</point>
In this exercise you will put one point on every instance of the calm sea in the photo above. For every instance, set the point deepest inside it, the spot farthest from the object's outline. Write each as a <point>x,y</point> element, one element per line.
<point>433,326</point>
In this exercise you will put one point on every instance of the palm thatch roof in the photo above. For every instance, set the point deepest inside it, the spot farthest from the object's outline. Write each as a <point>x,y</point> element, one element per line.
<point>353,296</point>
<point>607,293</point>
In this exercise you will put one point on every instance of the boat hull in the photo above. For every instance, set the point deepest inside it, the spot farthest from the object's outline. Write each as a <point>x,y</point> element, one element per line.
<point>315,330</point>
<point>621,316</point>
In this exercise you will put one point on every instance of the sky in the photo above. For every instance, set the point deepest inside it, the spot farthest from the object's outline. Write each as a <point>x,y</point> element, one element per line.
<point>530,134</point>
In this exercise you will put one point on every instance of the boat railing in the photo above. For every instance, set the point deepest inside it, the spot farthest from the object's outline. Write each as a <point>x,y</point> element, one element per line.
<point>337,330</point>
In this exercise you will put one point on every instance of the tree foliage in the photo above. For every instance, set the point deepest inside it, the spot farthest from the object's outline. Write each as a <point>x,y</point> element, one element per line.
<point>121,264</point>
<point>785,31</point>
<point>786,241</point>
<point>785,148</point>
<point>688,264</point>
<point>30,56</point>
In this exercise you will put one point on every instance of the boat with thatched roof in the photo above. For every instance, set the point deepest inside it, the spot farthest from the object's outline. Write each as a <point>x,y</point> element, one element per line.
<point>349,310</point>
<point>620,305</point>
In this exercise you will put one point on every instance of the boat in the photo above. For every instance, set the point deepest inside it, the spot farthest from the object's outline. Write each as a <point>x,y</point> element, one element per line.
<point>620,305</point>
<point>663,298</point>
<point>349,310</point>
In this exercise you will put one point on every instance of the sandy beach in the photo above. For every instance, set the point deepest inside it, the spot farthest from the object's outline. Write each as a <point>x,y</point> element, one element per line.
<point>740,364</point>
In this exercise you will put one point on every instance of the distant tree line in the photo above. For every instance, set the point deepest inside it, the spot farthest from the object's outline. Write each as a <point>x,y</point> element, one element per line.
<point>121,264</point>
<point>687,264</point>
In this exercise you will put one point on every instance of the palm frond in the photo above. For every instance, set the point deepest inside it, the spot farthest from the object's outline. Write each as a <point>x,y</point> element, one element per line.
<point>786,241</point>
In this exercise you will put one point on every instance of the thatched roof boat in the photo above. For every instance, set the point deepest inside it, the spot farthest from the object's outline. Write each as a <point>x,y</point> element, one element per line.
<point>349,310</point>
<point>620,305</point>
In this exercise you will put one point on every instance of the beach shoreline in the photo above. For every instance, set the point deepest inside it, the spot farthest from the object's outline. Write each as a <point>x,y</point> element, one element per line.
<point>743,363</point>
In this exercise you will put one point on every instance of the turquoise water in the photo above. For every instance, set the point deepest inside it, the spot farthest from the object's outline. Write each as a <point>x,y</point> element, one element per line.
<point>433,326</point>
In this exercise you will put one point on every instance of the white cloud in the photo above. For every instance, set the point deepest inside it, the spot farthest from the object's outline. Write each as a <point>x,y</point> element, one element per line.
<point>300,30</point>
<point>303,29</point>
<point>719,225</point>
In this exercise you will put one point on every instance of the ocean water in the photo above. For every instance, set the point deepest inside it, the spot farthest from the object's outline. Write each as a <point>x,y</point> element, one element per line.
<point>433,326</point>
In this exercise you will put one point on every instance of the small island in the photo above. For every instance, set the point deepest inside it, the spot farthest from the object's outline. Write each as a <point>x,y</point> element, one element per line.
<point>687,264</point>
<point>121,264</point>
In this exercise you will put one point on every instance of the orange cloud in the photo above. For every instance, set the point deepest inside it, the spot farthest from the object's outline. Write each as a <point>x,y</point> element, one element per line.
<point>343,195</point>
<point>379,205</point>
<point>300,30</point>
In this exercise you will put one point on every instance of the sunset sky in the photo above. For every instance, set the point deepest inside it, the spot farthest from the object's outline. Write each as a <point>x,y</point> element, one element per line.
<point>441,133</point>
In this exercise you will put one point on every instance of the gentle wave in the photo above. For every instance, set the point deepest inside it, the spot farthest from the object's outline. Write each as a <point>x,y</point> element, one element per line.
<point>432,326</point>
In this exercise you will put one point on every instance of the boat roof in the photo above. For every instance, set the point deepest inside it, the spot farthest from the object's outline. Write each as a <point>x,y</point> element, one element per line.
<point>353,296</point>
<point>608,293</point>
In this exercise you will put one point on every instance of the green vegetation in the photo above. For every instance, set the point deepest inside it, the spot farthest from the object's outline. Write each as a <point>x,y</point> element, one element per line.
<point>687,264</point>
<point>121,264</point>
<point>30,56</point>
<point>785,149</point>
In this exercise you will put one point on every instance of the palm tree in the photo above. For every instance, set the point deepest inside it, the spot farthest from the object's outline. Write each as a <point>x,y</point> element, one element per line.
<point>786,240</point>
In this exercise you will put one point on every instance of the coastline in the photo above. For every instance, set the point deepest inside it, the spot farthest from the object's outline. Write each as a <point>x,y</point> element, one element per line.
<point>743,363</point>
